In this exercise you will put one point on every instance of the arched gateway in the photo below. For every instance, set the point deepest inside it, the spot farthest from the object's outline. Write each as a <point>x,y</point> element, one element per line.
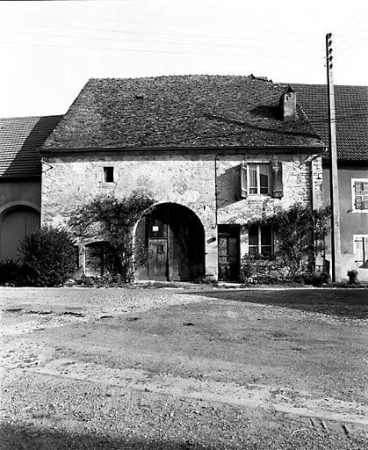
<point>174,237</point>
<point>16,222</point>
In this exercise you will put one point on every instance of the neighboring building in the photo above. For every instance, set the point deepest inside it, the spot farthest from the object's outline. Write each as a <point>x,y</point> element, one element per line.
<point>20,179</point>
<point>352,149</point>
<point>214,152</point>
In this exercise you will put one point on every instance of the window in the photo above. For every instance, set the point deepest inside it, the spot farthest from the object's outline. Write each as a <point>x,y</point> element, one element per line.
<point>108,174</point>
<point>259,178</point>
<point>361,250</point>
<point>360,195</point>
<point>260,240</point>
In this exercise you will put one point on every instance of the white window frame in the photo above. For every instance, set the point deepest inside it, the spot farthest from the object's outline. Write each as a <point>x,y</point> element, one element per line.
<point>259,245</point>
<point>356,237</point>
<point>258,164</point>
<point>353,181</point>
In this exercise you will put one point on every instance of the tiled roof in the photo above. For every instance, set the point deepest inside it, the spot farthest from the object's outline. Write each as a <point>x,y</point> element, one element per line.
<point>19,139</point>
<point>179,112</point>
<point>351,105</point>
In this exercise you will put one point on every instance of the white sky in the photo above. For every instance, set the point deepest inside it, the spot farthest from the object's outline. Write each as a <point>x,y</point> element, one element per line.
<point>49,49</point>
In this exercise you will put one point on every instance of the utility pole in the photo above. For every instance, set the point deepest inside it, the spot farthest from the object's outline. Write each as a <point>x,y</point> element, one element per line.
<point>334,182</point>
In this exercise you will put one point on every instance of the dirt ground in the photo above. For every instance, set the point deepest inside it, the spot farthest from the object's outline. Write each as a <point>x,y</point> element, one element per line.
<point>184,369</point>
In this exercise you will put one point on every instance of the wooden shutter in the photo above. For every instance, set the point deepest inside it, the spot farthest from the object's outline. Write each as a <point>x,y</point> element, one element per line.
<point>359,195</point>
<point>361,251</point>
<point>277,186</point>
<point>365,195</point>
<point>243,181</point>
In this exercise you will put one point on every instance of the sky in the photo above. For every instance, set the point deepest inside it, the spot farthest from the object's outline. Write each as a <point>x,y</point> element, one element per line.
<point>50,49</point>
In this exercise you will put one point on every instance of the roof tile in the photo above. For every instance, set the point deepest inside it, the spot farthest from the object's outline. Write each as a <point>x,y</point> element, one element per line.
<point>351,105</point>
<point>179,112</point>
<point>20,138</point>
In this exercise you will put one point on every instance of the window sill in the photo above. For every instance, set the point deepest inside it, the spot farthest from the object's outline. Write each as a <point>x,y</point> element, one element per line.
<point>259,195</point>
<point>360,211</point>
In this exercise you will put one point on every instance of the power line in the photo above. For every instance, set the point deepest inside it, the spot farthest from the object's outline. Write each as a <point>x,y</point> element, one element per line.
<point>186,24</point>
<point>269,52</point>
<point>176,34</point>
<point>159,42</point>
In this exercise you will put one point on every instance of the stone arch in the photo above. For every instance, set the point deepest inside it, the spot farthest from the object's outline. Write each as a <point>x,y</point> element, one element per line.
<point>17,219</point>
<point>175,239</point>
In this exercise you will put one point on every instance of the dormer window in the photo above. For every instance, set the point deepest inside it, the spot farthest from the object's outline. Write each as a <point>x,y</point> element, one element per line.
<point>108,173</point>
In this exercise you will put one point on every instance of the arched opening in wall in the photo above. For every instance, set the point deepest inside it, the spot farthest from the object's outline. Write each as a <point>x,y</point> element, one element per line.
<point>15,224</point>
<point>97,259</point>
<point>174,238</point>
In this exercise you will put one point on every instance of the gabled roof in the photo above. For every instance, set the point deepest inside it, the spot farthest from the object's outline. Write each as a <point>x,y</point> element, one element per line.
<point>174,112</point>
<point>19,139</point>
<point>351,105</point>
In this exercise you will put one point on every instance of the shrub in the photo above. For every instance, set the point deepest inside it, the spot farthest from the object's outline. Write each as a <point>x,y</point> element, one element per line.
<point>300,232</point>
<point>320,278</point>
<point>10,272</point>
<point>113,220</point>
<point>49,257</point>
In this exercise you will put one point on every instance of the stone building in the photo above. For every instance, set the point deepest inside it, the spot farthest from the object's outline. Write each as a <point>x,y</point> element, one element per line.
<point>214,152</point>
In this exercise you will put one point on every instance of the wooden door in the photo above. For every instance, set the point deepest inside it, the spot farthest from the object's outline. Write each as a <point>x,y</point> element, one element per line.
<point>14,227</point>
<point>229,254</point>
<point>157,263</point>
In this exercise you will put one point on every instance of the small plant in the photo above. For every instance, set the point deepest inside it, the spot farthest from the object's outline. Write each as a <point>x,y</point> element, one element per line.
<point>353,276</point>
<point>49,257</point>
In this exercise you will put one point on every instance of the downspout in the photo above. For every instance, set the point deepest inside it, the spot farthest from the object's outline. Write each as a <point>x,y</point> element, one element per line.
<point>216,200</point>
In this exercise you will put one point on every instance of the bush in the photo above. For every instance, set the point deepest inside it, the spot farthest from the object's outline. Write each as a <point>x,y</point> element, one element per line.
<point>10,273</point>
<point>49,257</point>
<point>113,220</point>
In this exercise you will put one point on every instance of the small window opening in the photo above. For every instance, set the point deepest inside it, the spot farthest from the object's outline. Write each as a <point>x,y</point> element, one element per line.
<point>108,174</point>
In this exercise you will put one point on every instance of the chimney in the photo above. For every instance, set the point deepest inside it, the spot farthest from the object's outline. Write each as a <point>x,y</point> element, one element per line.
<point>288,105</point>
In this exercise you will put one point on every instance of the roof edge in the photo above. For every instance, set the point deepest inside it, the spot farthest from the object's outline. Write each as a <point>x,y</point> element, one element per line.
<point>286,149</point>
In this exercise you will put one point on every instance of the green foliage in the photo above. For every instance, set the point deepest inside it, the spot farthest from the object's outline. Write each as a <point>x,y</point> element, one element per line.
<point>49,257</point>
<point>112,221</point>
<point>10,272</point>
<point>300,235</point>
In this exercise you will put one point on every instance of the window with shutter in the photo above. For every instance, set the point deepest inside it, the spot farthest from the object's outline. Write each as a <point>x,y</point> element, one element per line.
<point>258,179</point>
<point>360,195</point>
<point>361,250</point>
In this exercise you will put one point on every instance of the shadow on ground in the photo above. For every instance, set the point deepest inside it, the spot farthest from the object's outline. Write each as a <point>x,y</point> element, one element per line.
<point>32,438</point>
<point>349,303</point>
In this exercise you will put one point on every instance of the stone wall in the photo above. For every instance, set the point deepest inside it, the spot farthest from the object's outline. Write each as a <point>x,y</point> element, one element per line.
<point>188,180</point>
<point>207,183</point>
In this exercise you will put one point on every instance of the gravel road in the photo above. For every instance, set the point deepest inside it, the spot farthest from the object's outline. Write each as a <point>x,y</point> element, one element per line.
<point>163,369</point>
